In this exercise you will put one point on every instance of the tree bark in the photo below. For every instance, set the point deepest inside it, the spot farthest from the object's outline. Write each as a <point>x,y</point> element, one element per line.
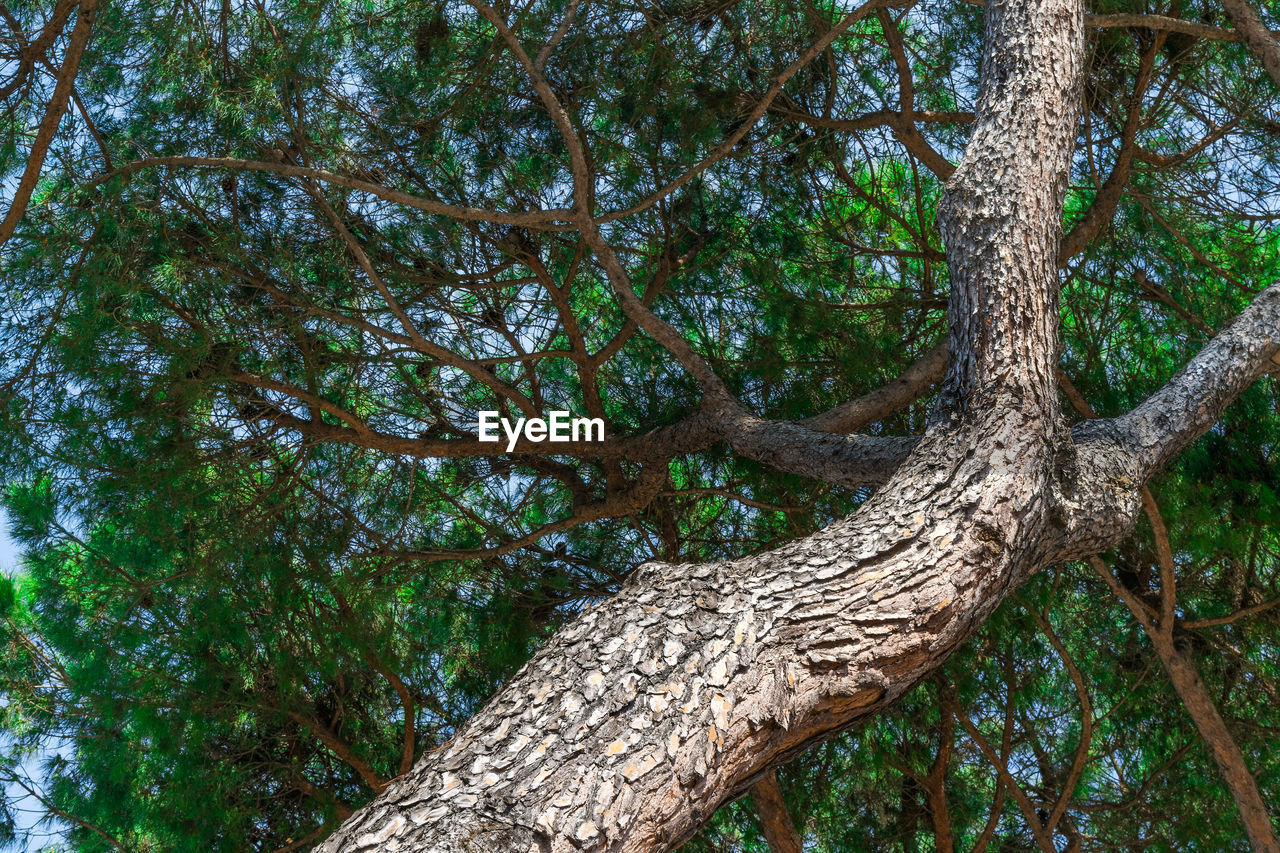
<point>1256,35</point>
<point>652,709</point>
<point>775,820</point>
<point>1226,752</point>
<point>1203,711</point>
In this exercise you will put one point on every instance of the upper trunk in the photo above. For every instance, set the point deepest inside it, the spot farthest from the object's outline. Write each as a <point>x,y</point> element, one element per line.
<point>1001,216</point>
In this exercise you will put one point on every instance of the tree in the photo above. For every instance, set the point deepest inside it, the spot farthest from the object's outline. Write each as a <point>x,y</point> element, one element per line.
<point>286,257</point>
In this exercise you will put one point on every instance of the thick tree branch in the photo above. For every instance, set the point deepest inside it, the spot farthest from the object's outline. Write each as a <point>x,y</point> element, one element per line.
<point>1256,35</point>
<point>1105,473</point>
<point>935,781</point>
<point>1192,401</point>
<point>1159,627</point>
<point>636,721</point>
<point>843,460</point>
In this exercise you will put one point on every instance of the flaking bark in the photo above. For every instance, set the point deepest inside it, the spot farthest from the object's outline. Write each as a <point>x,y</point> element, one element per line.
<point>653,708</point>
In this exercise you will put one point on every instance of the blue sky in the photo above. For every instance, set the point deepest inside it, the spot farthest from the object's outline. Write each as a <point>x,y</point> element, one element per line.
<point>8,551</point>
<point>25,808</point>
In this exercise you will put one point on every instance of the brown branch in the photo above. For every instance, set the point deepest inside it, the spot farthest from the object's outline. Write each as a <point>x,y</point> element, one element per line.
<point>1204,713</point>
<point>29,52</point>
<point>32,791</point>
<point>1043,841</point>
<point>1164,555</point>
<point>1167,161</point>
<point>886,400</point>
<point>311,789</point>
<point>51,30</point>
<point>409,735</point>
<point>902,124</point>
<point>1001,790</point>
<point>660,330</point>
<point>1165,298</point>
<point>1182,671</point>
<point>1108,196</point>
<point>1086,719</point>
<point>993,817</point>
<point>291,844</point>
<point>1256,35</point>
<point>1162,23</point>
<point>540,219</point>
<point>441,354</point>
<point>561,30</point>
<point>1242,613</point>
<point>734,496</point>
<point>54,111</point>
<point>341,749</point>
<point>867,121</point>
<point>775,821</point>
<point>631,500</point>
<point>935,782</point>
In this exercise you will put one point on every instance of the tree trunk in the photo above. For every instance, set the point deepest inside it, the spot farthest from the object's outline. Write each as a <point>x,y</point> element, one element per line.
<point>653,708</point>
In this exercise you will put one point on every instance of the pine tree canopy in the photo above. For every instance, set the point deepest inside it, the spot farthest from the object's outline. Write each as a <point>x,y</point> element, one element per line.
<point>265,266</point>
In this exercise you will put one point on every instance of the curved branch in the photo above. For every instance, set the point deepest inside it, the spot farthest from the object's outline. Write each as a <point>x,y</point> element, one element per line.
<point>886,400</point>
<point>341,749</point>
<point>1162,23</point>
<point>1103,476</point>
<point>1104,203</point>
<point>540,219</point>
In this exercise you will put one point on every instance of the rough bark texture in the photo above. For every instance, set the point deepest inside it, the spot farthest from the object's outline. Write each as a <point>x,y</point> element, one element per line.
<point>1256,35</point>
<point>652,709</point>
